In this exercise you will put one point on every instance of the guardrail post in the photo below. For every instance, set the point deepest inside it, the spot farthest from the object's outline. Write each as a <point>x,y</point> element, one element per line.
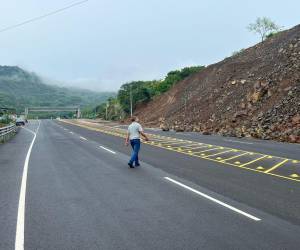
<point>7,132</point>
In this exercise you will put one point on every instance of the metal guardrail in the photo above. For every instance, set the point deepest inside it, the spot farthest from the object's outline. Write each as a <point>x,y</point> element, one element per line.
<point>6,132</point>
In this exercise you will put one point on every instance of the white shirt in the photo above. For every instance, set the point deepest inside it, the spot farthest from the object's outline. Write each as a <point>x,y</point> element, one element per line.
<point>134,130</point>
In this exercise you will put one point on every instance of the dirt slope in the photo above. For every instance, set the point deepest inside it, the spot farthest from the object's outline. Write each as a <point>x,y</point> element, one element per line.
<point>255,93</point>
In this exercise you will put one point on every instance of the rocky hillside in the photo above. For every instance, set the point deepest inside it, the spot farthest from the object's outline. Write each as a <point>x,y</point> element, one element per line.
<point>254,93</point>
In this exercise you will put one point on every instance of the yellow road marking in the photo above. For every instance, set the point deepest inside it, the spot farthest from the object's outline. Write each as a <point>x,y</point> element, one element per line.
<point>205,150</point>
<point>291,178</point>
<point>233,157</point>
<point>276,166</point>
<point>160,140</point>
<point>220,153</point>
<point>247,163</point>
<point>191,149</point>
<point>193,146</point>
<point>172,143</point>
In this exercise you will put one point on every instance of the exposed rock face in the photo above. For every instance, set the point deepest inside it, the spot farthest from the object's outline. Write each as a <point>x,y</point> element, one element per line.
<point>255,93</point>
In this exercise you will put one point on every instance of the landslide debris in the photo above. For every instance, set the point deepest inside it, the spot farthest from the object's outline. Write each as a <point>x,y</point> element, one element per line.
<point>255,93</point>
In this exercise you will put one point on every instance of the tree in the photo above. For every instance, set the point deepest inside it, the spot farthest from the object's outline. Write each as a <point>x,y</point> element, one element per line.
<point>263,26</point>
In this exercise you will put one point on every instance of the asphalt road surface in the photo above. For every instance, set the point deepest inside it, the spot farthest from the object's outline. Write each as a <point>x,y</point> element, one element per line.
<point>64,186</point>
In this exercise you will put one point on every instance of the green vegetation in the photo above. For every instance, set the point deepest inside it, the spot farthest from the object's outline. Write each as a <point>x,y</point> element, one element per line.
<point>4,120</point>
<point>111,110</point>
<point>264,27</point>
<point>141,91</point>
<point>234,53</point>
<point>20,89</point>
<point>273,34</point>
<point>5,117</point>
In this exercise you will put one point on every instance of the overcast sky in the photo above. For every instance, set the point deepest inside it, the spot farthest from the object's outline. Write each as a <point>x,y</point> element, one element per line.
<point>102,44</point>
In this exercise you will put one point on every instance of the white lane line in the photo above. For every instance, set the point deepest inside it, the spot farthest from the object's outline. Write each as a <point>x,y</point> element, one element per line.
<point>213,199</point>
<point>19,240</point>
<point>107,150</point>
<point>29,130</point>
<point>242,142</point>
<point>82,138</point>
<point>71,132</point>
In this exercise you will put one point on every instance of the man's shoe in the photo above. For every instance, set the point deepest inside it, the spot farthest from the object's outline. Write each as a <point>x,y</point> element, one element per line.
<point>137,165</point>
<point>130,165</point>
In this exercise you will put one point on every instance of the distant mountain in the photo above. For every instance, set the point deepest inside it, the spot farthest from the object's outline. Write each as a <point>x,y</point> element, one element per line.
<point>20,89</point>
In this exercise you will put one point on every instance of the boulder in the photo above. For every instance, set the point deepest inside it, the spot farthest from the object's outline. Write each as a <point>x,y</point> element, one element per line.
<point>179,129</point>
<point>241,113</point>
<point>296,119</point>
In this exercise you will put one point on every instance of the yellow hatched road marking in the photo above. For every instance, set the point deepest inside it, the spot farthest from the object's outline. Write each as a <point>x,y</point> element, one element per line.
<point>234,157</point>
<point>220,153</point>
<point>205,150</point>
<point>165,140</point>
<point>247,163</point>
<point>193,146</point>
<point>159,139</point>
<point>172,143</point>
<point>191,149</point>
<point>292,177</point>
<point>276,166</point>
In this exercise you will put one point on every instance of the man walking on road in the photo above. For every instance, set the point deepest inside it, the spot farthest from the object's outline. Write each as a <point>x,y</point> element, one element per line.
<point>134,133</point>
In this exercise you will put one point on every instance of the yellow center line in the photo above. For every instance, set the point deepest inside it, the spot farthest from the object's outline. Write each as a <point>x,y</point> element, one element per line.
<point>247,163</point>
<point>276,166</point>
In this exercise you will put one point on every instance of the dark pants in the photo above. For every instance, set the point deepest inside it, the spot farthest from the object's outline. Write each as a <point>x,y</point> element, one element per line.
<point>136,145</point>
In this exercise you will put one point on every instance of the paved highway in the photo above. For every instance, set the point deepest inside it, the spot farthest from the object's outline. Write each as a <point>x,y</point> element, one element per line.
<point>68,186</point>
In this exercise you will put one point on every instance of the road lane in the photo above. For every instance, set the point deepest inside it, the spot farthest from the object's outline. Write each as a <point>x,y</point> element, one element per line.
<point>19,240</point>
<point>80,197</point>
<point>257,162</point>
<point>275,196</point>
<point>289,150</point>
<point>12,157</point>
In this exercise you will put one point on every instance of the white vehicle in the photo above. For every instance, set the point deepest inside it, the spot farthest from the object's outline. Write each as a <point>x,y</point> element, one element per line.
<point>20,121</point>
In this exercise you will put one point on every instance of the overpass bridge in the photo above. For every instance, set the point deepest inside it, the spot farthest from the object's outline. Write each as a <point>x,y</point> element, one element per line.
<point>75,109</point>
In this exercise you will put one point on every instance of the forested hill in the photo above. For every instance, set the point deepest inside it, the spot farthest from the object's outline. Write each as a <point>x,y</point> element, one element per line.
<point>19,88</point>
